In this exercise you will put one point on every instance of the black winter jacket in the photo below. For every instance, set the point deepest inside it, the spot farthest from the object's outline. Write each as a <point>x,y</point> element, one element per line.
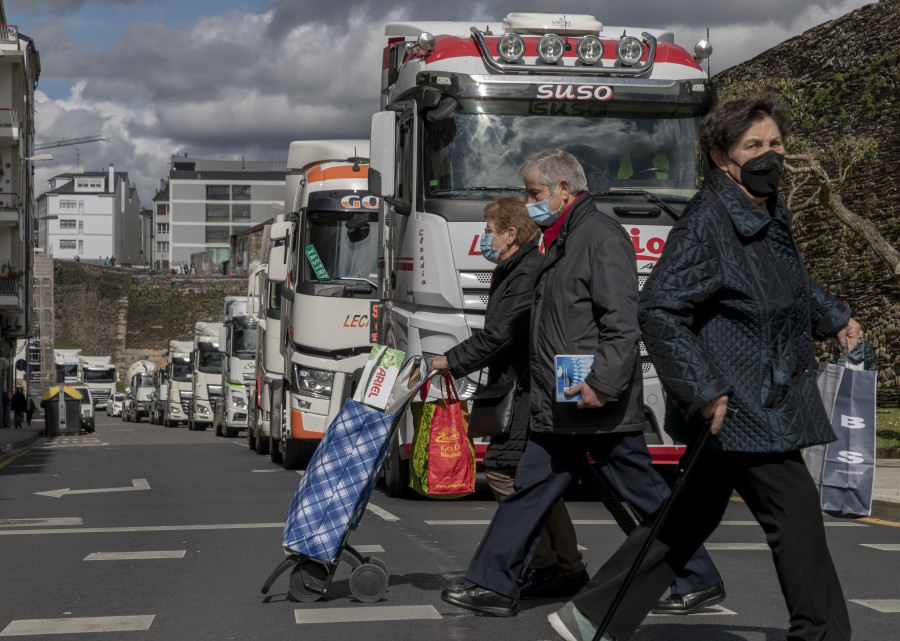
<point>585,302</point>
<point>502,346</point>
<point>731,309</point>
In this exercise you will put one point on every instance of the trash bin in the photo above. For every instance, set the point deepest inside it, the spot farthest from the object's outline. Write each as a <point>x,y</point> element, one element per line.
<point>50,401</point>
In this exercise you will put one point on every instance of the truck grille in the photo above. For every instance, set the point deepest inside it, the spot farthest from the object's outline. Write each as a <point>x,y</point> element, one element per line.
<point>100,396</point>
<point>185,401</point>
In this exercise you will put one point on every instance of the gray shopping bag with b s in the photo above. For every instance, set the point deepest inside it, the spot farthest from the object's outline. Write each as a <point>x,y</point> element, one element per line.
<point>844,470</point>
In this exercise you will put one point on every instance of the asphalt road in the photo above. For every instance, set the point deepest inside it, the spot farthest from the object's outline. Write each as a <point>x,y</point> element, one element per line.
<point>151,533</point>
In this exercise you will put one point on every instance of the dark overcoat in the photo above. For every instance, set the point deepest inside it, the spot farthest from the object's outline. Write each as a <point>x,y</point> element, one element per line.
<point>731,309</point>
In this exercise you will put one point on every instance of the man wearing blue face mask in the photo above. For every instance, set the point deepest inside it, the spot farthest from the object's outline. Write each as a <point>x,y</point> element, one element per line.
<point>584,303</point>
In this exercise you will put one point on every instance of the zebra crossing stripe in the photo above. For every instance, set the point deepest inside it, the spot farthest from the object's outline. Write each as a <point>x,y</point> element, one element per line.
<point>366,614</point>
<point>32,627</point>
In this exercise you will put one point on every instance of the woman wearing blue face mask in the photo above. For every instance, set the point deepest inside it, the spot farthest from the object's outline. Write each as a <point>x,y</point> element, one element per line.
<point>509,240</point>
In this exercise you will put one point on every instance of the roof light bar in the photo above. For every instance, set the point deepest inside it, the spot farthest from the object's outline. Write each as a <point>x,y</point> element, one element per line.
<point>550,48</point>
<point>589,50</point>
<point>629,51</point>
<point>511,47</point>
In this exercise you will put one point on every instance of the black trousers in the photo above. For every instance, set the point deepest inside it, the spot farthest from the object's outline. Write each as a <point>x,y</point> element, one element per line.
<point>782,496</point>
<point>546,469</point>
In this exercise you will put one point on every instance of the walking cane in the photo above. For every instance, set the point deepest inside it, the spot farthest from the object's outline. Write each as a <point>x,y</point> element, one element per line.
<point>687,464</point>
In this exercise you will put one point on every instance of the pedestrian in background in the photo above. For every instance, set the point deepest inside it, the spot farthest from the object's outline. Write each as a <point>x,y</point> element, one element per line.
<point>6,400</point>
<point>30,411</point>
<point>18,404</point>
<point>728,315</point>
<point>585,302</point>
<point>510,240</point>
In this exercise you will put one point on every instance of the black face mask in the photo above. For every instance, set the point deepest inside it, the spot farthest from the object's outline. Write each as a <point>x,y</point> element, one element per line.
<point>762,175</point>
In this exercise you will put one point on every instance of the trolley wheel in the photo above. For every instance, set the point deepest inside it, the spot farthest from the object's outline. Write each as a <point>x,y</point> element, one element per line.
<point>368,582</point>
<point>305,592</point>
<point>374,560</point>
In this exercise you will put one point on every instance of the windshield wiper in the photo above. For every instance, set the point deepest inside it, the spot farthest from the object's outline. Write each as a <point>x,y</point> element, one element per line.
<point>358,280</point>
<point>446,191</point>
<point>649,195</point>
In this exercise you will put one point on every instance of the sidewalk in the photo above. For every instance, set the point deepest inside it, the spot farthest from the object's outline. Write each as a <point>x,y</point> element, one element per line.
<point>885,498</point>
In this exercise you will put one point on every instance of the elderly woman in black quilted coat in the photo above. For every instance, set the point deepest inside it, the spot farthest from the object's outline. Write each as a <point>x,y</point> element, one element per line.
<point>728,316</point>
<point>502,347</point>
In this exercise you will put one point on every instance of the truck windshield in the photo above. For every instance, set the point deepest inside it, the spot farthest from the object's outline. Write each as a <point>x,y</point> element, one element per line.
<point>99,376</point>
<point>243,337</point>
<point>340,245</point>
<point>182,371</point>
<point>143,380</point>
<point>210,361</point>
<point>478,149</point>
<point>66,372</point>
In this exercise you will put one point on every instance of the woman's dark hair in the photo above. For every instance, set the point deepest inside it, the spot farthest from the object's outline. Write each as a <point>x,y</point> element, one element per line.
<point>728,120</point>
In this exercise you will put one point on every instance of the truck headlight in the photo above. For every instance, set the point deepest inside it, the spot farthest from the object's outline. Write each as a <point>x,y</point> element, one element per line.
<point>203,409</point>
<point>312,382</point>
<point>629,51</point>
<point>511,47</point>
<point>589,49</point>
<point>551,48</point>
<point>238,402</point>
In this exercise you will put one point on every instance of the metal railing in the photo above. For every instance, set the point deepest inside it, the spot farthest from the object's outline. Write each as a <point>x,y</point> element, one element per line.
<point>9,117</point>
<point>9,200</point>
<point>9,285</point>
<point>9,33</point>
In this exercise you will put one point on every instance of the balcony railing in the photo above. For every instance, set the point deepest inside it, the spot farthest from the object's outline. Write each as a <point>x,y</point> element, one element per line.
<point>9,201</point>
<point>9,285</point>
<point>9,117</point>
<point>9,33</point>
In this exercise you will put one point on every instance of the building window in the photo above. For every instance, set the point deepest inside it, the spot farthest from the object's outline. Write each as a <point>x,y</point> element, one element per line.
<point>217,234</point>
<point>217,192</point>
<point>80,226</point>
<point>67,244</point>
<point>66,225</point>
<point>217,212</point>
<point>162,228</point>
<point>89,183</point>
<point>240,192</point>
<point>68,204</point>
<point>162,210</point>
<point>80,246</point>
<point>240,213</point>
<point>162,247</point>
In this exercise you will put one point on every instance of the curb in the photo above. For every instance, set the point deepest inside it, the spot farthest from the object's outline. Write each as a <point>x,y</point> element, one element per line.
<point>8,448</point>
<point>885,510</point>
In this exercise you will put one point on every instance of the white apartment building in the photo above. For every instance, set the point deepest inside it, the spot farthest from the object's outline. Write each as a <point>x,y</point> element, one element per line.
<point>20,68</point>
<point>92,215</point>
<point>208,200</point>
<point>160,227</point>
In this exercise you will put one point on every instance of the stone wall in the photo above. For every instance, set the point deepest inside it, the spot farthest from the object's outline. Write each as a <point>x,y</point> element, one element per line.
<point>848,73</point>
<point>128,315</point>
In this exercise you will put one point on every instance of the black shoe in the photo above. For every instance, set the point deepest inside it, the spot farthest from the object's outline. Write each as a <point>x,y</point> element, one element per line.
<point>541,582</point>
<point>687,603</point>
<point>481,599</point>
<point>572,583</point>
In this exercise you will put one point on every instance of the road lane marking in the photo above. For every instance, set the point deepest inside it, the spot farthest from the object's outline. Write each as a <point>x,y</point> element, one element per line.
<point>12,458</point>
<point>31,465</point>
<point>377,511</point>
<point>76,520</point>
<point>884,547</point>
<point>611,522</point>
<point>736,546</point>
<point>887,606</point>
<point>31,627</point>
<point>367,614</point>
<point>135,556</point>
<point>148,528</point>
<point>136,484</point>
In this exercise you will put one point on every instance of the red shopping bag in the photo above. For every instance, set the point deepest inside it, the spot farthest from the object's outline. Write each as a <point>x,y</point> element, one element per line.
<point>443,457</point>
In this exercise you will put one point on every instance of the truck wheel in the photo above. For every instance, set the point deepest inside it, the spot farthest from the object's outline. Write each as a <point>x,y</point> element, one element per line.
<point>229,433</point>
<point>251,439</point>
<point>262,445</point>
<point>297,453</point>
<point>275,451</point>
<point>396,473</point>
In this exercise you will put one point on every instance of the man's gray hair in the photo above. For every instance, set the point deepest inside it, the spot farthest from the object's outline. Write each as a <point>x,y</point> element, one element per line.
<point>553,165</point>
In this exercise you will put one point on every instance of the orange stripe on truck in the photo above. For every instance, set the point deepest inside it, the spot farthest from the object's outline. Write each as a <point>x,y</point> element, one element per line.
<point>317,174</point>
<point>297,430</point>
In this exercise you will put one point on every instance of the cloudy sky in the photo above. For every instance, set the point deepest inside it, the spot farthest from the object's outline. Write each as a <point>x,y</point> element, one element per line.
<point>231,78</point>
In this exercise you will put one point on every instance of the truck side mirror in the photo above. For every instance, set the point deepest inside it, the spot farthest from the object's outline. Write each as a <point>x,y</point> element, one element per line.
<point>382,153</point>
<point>223,335</point>
<point>278,264</point>
<point>128,389</point>
<point>279,231</point>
